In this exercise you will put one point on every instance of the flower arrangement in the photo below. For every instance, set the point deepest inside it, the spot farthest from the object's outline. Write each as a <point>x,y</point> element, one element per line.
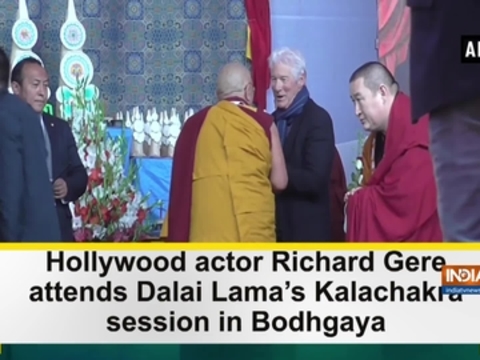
<point>112,209</point>
<point>357,175</point>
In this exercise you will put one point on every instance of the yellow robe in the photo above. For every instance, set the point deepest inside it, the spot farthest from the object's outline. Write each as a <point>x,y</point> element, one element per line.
<point>232,197</point>
<point>368,158</point>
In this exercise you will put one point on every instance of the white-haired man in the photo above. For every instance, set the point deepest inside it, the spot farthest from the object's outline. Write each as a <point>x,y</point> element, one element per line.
<point>303,210</point>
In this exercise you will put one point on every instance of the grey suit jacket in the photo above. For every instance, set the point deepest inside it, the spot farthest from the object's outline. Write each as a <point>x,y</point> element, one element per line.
<point>27,207</point>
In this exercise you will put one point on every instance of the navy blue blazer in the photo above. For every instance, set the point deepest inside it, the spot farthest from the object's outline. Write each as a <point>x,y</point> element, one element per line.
<point>66,164</point>
<point>303,209</point>
<point>437,76</point>
<point>27,207</point>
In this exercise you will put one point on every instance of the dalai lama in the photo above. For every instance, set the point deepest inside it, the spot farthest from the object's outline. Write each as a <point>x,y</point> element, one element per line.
<point>228,161</point>
<point>399,202</point>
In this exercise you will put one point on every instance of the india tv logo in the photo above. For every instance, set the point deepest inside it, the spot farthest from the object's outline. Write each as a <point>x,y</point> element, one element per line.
<point>461,279</point>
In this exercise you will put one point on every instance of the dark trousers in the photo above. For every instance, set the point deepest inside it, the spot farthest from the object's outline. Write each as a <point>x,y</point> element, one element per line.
<point>455,148</point>
<point>65,221</point>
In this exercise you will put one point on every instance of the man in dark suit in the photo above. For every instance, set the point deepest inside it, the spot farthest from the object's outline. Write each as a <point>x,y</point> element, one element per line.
<point>440,84</point>
<point>68,175</point>
<point>27,211</point>
<point>303,209</point>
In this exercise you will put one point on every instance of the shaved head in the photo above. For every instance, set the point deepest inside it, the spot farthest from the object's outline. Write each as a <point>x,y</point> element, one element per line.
<point>235,80</point>
<point>374,75</point>
<point>372,90</point>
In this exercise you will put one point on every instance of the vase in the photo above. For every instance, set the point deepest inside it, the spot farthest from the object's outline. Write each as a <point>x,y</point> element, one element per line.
<point>137,149</point>
<point>155,149</point>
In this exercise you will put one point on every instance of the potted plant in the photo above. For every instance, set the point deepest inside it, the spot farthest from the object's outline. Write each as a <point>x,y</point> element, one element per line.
<point>112,208</point>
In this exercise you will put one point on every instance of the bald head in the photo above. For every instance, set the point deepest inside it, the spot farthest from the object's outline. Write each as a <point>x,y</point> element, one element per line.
<point>372,90</point>
<point>374,75</point>
<point>234,80</point>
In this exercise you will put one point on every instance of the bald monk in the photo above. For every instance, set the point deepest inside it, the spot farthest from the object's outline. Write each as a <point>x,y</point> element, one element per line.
<point>398,203</point>
<point>227,164</point>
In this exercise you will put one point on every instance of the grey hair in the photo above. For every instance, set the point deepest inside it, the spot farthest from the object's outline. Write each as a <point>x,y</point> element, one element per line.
<point>291,58</point>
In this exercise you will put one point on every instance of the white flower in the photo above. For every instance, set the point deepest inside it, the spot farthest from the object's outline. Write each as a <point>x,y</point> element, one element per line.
<point>139,126</point>
<point>98,231</point>
<point>166,131</point>
<point>360,179</point>
<point>90,158</point>
<point>76,222</point>
<point>98,192</point>
<point>359,165</point>
<point>139,136</point>
<point>128,220</point>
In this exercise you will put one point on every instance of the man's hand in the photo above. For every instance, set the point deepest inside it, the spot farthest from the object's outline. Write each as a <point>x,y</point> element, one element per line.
<point>350,193</point>
<point>60,189</point>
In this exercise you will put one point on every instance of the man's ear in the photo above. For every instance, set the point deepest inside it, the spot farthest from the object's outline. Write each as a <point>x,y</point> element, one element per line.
<point>383,90</point>
<point>302,80</point>
<point>16,87</point>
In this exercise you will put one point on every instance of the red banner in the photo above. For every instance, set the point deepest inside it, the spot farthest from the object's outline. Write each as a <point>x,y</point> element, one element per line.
<point>394,38</point>
<point>258,15</point>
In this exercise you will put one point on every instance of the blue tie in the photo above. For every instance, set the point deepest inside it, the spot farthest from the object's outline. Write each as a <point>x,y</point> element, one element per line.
<point>282,129</point>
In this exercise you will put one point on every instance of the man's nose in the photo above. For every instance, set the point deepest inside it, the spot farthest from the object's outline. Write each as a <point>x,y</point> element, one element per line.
<point>357,111</point>
<point>276,85</point>
<point>42,91</point>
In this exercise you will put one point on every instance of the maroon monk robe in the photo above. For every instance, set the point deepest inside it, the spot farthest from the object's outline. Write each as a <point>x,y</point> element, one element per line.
<point>180,204</point>
<point>399,203</point>
<point>338,189</point>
